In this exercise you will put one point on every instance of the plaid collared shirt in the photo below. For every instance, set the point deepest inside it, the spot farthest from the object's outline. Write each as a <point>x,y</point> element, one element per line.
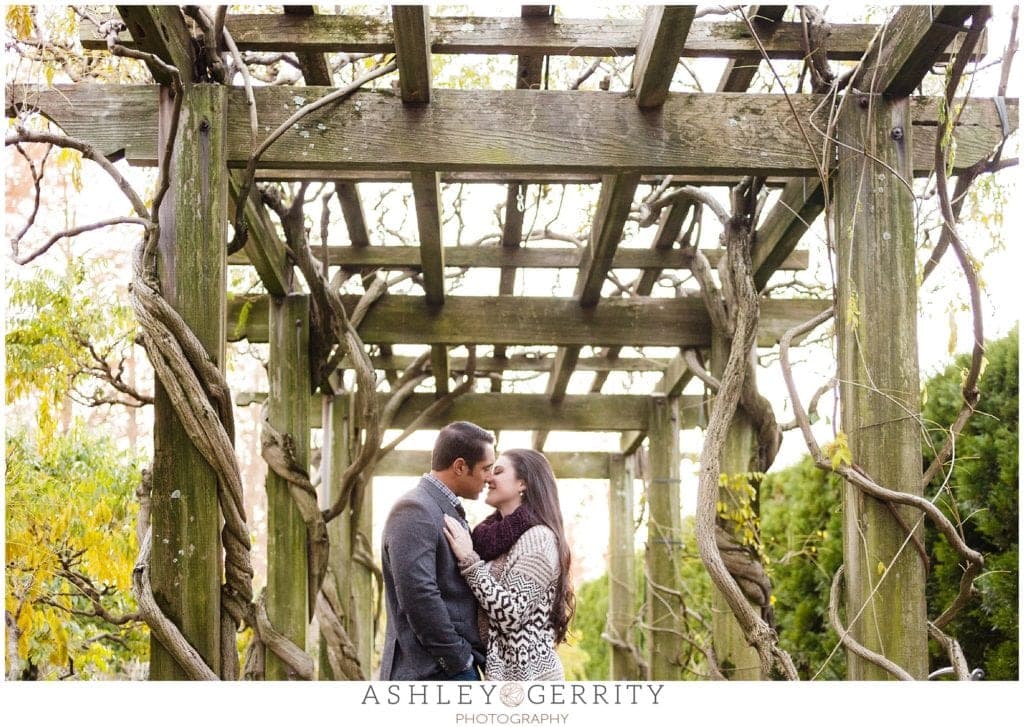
<point>452,497</point>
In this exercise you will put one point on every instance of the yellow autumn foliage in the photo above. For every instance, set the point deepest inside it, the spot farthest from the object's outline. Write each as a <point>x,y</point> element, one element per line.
<point>70,508</point>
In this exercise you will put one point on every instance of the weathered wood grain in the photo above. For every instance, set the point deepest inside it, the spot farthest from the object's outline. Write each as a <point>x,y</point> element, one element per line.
<point>535,321</point>
<point>565,465</point>
<point>186,564</point>
<point>657,55</point>
<point>664,543</point>
<point>740,70</point>
<point>524,362</point>
<point>622,567</point>
<point>515,131</point>
<point>800,203</point>
<point>315,68</point>
<point>263,248</point>
<point>909,45</point>
<point>411,30</point>
<point>515,36</point>
<point>579,413</point>
<point>289,412</point>
<point>408,257</point>
<point>161,30</point>
<point>876,306</point>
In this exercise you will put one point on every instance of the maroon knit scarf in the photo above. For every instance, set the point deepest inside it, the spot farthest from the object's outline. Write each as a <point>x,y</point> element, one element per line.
<point>497,534</point>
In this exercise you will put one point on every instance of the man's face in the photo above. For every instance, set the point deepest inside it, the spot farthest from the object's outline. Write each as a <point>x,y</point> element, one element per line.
<point>470,482</point>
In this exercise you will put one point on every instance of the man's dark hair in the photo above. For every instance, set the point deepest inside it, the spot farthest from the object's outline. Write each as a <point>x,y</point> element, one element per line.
<point>459,439</point>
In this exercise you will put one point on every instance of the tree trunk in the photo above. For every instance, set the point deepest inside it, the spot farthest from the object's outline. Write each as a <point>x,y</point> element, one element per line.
<point>737,659</point>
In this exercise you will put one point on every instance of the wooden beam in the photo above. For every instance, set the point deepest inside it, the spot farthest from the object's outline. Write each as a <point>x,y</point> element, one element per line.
<point>566,465</point>
<point>800,203</point>
<point>521,362</point>
<point>664,543</point>
<point>411,28</point>
<point>914,40</point>
<point>334,458</point>
<point>577,413</point>
<point>651,261</point>
<point>528,76</point>
<point>161,30</point>
<point>529,67</point>
<point>621,568</point>
<point>352,210</point>
<point>186,563</point>
<point>263,248</point>
<point>605,233</point>
<point>315,68</point>
<point>427,195</point>
<point>520,131</point>
<point>740,71</point>
<point>517,36</point>
<point>657,55</point>
<point>498,176</point>
<point>289,410</point>
<point>895,63</point>
<point>880,389</point>
<point>535,321</point>
<point>440,368</point>
<point>669,224</point>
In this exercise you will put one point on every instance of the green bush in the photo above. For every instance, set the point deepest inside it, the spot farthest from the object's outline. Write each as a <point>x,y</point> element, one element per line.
<point>982,494</point>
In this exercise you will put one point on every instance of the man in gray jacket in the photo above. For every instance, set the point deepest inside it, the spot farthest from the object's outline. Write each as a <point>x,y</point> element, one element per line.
<point>432,615</point>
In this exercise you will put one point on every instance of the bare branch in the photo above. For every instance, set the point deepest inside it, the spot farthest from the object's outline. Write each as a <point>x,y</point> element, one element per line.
<point>852,644</point>
<point>74,231</point>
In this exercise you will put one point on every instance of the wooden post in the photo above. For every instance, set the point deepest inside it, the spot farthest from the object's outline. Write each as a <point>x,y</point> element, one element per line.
<point>621,565</point>
<point>664,542</point>
<point>287,578</point>
<point>879,390</point>
<point>186,562</point>
<point>737,659</point>
<point>362,585</point>
<point>334,460</point>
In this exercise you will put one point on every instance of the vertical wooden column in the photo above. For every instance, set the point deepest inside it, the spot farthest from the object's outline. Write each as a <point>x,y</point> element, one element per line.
<point>362,585</point>
<point>664,541</point>
<point>288,371</point>
<point>186,559</point>
<point>737,659</point>
<point>621,564</point>
<point>334,458</point>
<point>880,388</point>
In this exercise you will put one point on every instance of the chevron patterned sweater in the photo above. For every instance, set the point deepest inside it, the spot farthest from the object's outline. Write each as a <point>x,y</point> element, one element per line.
<point>516,592</point>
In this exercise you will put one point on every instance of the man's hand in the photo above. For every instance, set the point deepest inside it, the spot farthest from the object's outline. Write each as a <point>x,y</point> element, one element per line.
<point>458,538</point>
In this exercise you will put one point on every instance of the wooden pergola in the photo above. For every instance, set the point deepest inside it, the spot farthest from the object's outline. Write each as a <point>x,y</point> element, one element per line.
<point>418,134</point>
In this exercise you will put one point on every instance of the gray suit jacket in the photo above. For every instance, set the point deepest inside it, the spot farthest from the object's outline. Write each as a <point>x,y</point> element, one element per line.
<point>432,627</point>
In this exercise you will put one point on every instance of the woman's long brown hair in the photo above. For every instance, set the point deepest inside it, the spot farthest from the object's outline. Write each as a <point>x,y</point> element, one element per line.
<point>541,496</point>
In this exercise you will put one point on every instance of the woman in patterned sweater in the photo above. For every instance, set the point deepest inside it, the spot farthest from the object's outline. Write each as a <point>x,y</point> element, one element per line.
<point>517,564</point>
